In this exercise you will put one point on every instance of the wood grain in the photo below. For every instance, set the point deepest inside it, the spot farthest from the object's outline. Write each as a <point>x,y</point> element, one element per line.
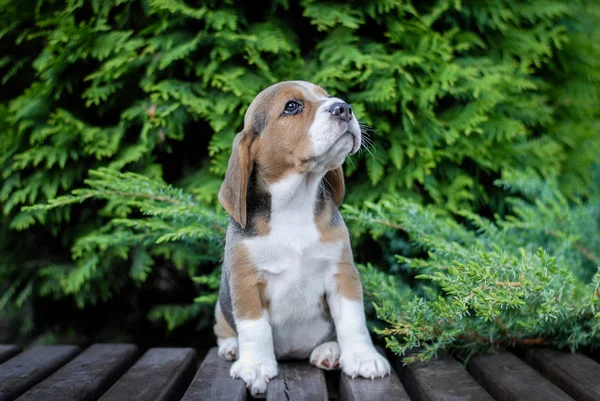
<point>576,374</point>
<point>27,369</point>
<point>441,379</point>
<point>161,374</point>
<point>297,382</point>
<point>7,351</point>
<point>382,388</point>
<point>87,376</point>
<point>212,381</point>
<point>506,377</point>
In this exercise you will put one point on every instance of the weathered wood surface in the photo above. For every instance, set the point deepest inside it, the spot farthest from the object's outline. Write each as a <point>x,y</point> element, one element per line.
<point>161,374</point>
<point>298,382</point>
<point>212,382</point>
<point>27,369</point>
<point>87,376</point>
<point>441,379</point>
<point>8,351</point>
<point>118,372</point>
<point>382,388</point>
<point>576,374</point>
<point>506,377</point>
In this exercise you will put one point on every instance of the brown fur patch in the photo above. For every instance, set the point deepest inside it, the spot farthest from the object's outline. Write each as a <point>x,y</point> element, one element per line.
<point>347,277</point>
<point>234,189</point>
<point>247,286</point>
<point>221,328</point>
<point>319,91</point>
<point>283,146</point>
<point>334,180</point>
<point>328,232</point>
<point>261,226</point>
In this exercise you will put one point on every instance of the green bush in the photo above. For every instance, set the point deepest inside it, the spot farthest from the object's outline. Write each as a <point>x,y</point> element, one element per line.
<point>530,279</point>
<point>124,97</point>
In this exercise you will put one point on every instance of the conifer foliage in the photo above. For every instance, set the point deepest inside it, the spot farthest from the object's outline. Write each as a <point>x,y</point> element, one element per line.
<point>531,278</point>
<point>116,123</point>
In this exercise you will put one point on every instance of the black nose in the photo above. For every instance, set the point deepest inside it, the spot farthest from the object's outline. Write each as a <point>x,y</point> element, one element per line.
<point>341,110</point>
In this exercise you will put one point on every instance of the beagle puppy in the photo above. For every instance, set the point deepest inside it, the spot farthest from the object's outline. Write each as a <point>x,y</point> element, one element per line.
<point>289,288</point>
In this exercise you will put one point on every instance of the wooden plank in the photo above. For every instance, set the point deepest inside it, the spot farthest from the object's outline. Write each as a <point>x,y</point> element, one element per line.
<point>87,376</point>
<point>506,377</point>
<point>212,381</point>
<point>8,351</point>
<point>25,370</point>
<point>161,374</point>
<point>297,381</point>
<point>361,389</point>
<point>441,379</point>
<point>576,374</point>
<point>381,388</point>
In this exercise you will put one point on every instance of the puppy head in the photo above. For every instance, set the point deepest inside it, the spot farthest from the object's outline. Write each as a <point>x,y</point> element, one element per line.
<point>292,127</point>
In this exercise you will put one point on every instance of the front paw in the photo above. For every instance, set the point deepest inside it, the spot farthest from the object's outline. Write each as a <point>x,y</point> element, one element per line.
<point>255,372</point>
<point>228,348</point>
<point>365,362</point>
<point>326,356</point>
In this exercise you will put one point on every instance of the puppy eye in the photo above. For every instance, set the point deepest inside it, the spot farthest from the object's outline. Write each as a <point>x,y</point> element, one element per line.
<point>292,107</point>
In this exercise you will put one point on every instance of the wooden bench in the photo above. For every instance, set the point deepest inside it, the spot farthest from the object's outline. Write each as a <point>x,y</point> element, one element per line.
<point>121,372</point>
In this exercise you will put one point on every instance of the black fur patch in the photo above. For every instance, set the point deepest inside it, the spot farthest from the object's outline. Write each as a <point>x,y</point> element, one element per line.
<point>260,121</point>
<point>321,200</point>
<point>258,204</point>
<point>225,299</point>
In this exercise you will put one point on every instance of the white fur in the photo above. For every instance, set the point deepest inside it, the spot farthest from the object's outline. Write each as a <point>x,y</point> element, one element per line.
<point>358,355</point>
<point>299,269</point>
<point>296,266</point>
<point>326,356</point>
<point>256,364</point>
<point>228,347</point>
<point>327,129</point>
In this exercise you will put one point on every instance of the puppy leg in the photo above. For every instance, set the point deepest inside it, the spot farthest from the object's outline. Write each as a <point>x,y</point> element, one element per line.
<point>227,341</point>
<point>326,356</point>
<point>256,363</point>
<point>358,356</point>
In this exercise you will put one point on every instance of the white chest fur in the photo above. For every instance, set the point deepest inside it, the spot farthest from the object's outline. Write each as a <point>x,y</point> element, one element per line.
<point>297,267</point>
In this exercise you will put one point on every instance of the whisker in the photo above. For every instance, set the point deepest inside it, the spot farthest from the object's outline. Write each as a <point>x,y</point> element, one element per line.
<point>351,161</point>
<point>367,140</point>
<point>366,128</point>
<point>367,145</point>
<point>369,150</point>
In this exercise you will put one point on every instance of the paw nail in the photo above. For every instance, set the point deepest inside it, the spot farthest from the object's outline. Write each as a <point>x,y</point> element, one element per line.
<point>326,363</point>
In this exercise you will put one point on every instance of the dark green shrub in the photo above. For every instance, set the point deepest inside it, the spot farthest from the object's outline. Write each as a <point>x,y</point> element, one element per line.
<point>457,92</point>
<point>530,279</point>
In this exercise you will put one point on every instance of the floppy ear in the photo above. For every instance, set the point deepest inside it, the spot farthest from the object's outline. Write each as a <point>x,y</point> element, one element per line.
<point>234,188</point>
<point>334,179</point>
